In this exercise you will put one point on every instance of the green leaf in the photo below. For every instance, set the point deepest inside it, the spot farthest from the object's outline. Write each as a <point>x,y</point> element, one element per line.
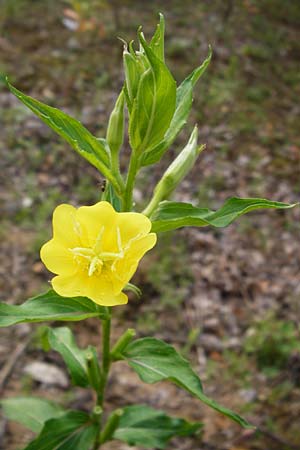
<point>154,105</point>
<point>184,99</point>
<point>30,411</point>
<point>87,145</point>
<point>62,340</point>
<point>150,428</point>
<point>72,431</point>
<point>154,360</point>
<point>157,43</point>
<point>172,215</point>
<point>50,306</point>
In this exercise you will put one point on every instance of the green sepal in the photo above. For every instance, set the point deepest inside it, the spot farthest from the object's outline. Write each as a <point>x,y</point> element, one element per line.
<point>49,307</point>
<point>133,288</point>
<point>75,430</point>
<point>32,412</point>
<point>147,427</point>
<point>171,215</point>
<point>62,340</point>
<point>154,360</point>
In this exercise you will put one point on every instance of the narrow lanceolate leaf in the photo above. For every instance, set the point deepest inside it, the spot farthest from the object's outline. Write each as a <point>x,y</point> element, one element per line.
<point>31,412</point>
<point>50,306</point>
<point>149,428</point>
<point>87,145</point>
<point>72,431</point>
<point>154,360</point>
<point>157,43</point>
<point>62,340</point>
<point>184,99</point>
<point>172,215</point>
<point>154,105</point>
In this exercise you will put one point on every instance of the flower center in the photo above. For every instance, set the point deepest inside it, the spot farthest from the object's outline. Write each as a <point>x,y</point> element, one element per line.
<point>95,258</point>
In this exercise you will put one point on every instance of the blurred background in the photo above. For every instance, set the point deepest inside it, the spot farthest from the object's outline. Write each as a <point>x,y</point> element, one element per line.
<point>228,298</point>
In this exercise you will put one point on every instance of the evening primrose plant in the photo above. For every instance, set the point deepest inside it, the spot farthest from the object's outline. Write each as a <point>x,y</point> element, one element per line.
<point>95,250</point>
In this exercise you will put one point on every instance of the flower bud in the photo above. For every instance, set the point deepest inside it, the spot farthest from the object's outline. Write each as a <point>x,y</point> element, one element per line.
<point>115,129</point>
<point>176,172</point>
<point>131,74</point>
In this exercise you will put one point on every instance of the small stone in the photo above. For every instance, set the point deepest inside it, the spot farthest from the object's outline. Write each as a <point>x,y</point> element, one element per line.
<point>233,343</point>
<point>22,330</point>
<point>137,195</point>
<point>248,395</point>
<point>211,343</point>
<point>47,374</point>
<point>211,324</point>
<point>27,202</point>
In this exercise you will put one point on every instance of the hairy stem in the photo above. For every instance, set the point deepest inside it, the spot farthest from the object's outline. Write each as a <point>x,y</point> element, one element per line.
<point>105,370</point>
<point>132,171</point>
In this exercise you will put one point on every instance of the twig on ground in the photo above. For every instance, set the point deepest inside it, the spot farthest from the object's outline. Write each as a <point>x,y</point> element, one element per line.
<point>12,360</point>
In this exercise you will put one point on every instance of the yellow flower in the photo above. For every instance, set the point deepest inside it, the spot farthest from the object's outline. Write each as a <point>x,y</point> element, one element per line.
<point>95,251</point>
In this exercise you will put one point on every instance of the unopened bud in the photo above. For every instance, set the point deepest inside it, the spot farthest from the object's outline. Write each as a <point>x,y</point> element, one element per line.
<point>181,166</point>
<point>176,172</point>
<point>115,129</point>
<point>131,74</point>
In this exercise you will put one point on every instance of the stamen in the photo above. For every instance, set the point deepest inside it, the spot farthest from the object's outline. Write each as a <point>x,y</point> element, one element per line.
<point>93,266</point>
<point>110,255</point>
<point>82,251</point>
<point>96,259</point>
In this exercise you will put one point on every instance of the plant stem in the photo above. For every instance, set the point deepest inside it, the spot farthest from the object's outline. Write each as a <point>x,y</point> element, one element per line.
<point>132,171</point>
<point>105,355</point>
<point>105,370</point>
<point>152,205</point>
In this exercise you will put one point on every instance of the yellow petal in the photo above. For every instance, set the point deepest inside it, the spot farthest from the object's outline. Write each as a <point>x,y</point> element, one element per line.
<point>132,224</point>
<point>111,300</point>
<point>82,285</point>
<point>92,233</point>
<point>98,221</point>
<point>126,267</point>
<point>66,229</point>
<point>70,285</point>
<point>140,246</point>
<point>58,259</point>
